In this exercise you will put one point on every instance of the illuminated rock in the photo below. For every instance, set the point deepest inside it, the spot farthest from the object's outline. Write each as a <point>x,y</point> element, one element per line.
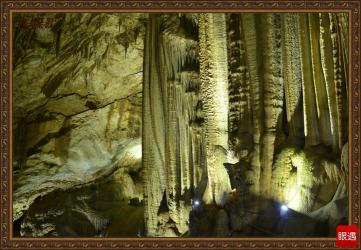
<point>208,124</point>
<point>173,154</point>
<point>76,115</point>
<point>214,97</point>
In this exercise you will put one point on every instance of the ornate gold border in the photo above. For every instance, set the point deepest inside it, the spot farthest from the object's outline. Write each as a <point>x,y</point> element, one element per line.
<point>8,7</point>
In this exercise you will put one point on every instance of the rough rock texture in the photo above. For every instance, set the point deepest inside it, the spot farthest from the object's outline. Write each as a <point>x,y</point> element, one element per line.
<point>173,150</point>
<point>320,159</point>
<point>76,104</point>
<point>214,98</point>
<point>305,179</point>
<point>287,119</point>
<point>105,207</point>
<point>286,60</point>
<point>181,124</point>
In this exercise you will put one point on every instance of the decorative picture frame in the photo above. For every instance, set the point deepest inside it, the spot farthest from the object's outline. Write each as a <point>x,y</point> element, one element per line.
<point>8,8</point>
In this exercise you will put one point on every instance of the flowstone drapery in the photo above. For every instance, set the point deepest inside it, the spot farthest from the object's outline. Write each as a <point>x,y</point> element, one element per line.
<point>257,105</point>
<point>200,122</point>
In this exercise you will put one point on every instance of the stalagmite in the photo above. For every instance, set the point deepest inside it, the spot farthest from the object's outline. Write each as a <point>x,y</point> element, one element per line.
<point>214,94</point>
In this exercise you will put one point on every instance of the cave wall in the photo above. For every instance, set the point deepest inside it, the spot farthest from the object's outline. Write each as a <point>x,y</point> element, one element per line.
<point>77,113</point>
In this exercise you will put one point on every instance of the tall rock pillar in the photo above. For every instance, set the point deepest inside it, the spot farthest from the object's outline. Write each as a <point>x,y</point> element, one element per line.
<point>214,96</point>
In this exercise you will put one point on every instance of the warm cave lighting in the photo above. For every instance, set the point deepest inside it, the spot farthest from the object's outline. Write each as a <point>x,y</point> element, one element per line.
<point>136,151</point>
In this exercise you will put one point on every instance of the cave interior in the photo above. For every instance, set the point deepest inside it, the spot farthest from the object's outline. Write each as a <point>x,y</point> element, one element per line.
<point>179,124</point>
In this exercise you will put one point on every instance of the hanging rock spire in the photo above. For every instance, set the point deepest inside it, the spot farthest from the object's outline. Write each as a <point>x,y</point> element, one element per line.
<point>153,129</point>
<point>214,96</point>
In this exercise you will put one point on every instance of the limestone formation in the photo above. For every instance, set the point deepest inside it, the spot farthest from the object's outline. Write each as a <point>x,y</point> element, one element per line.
<point>76,117</point>
<point>188,124</point>
<point>214,98</point>
<point>172,141</point>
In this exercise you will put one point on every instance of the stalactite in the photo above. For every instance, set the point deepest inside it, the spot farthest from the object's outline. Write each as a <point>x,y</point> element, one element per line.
<point>172,152</point>
<point>327,67</point>
<point>240,125</point>
<point>234,81</point>
<point>319,81</point>
<point>273,93</point>
<point>249,27</point>
<point>250,73</point>
<point>153,130</point>
<point>292,72</point>
<point>178,89</point>
<point>182,91</point>
<point>340,81</point>
<point>311,127</point>
<point>256,100</point>
<point>214,94</point>
<point>343,28</point>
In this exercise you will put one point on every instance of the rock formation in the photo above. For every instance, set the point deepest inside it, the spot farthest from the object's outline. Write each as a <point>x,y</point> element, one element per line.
<point>77,114</point>
<point>173,144</point>
<point>167,122</point>
<point>214,98</point>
